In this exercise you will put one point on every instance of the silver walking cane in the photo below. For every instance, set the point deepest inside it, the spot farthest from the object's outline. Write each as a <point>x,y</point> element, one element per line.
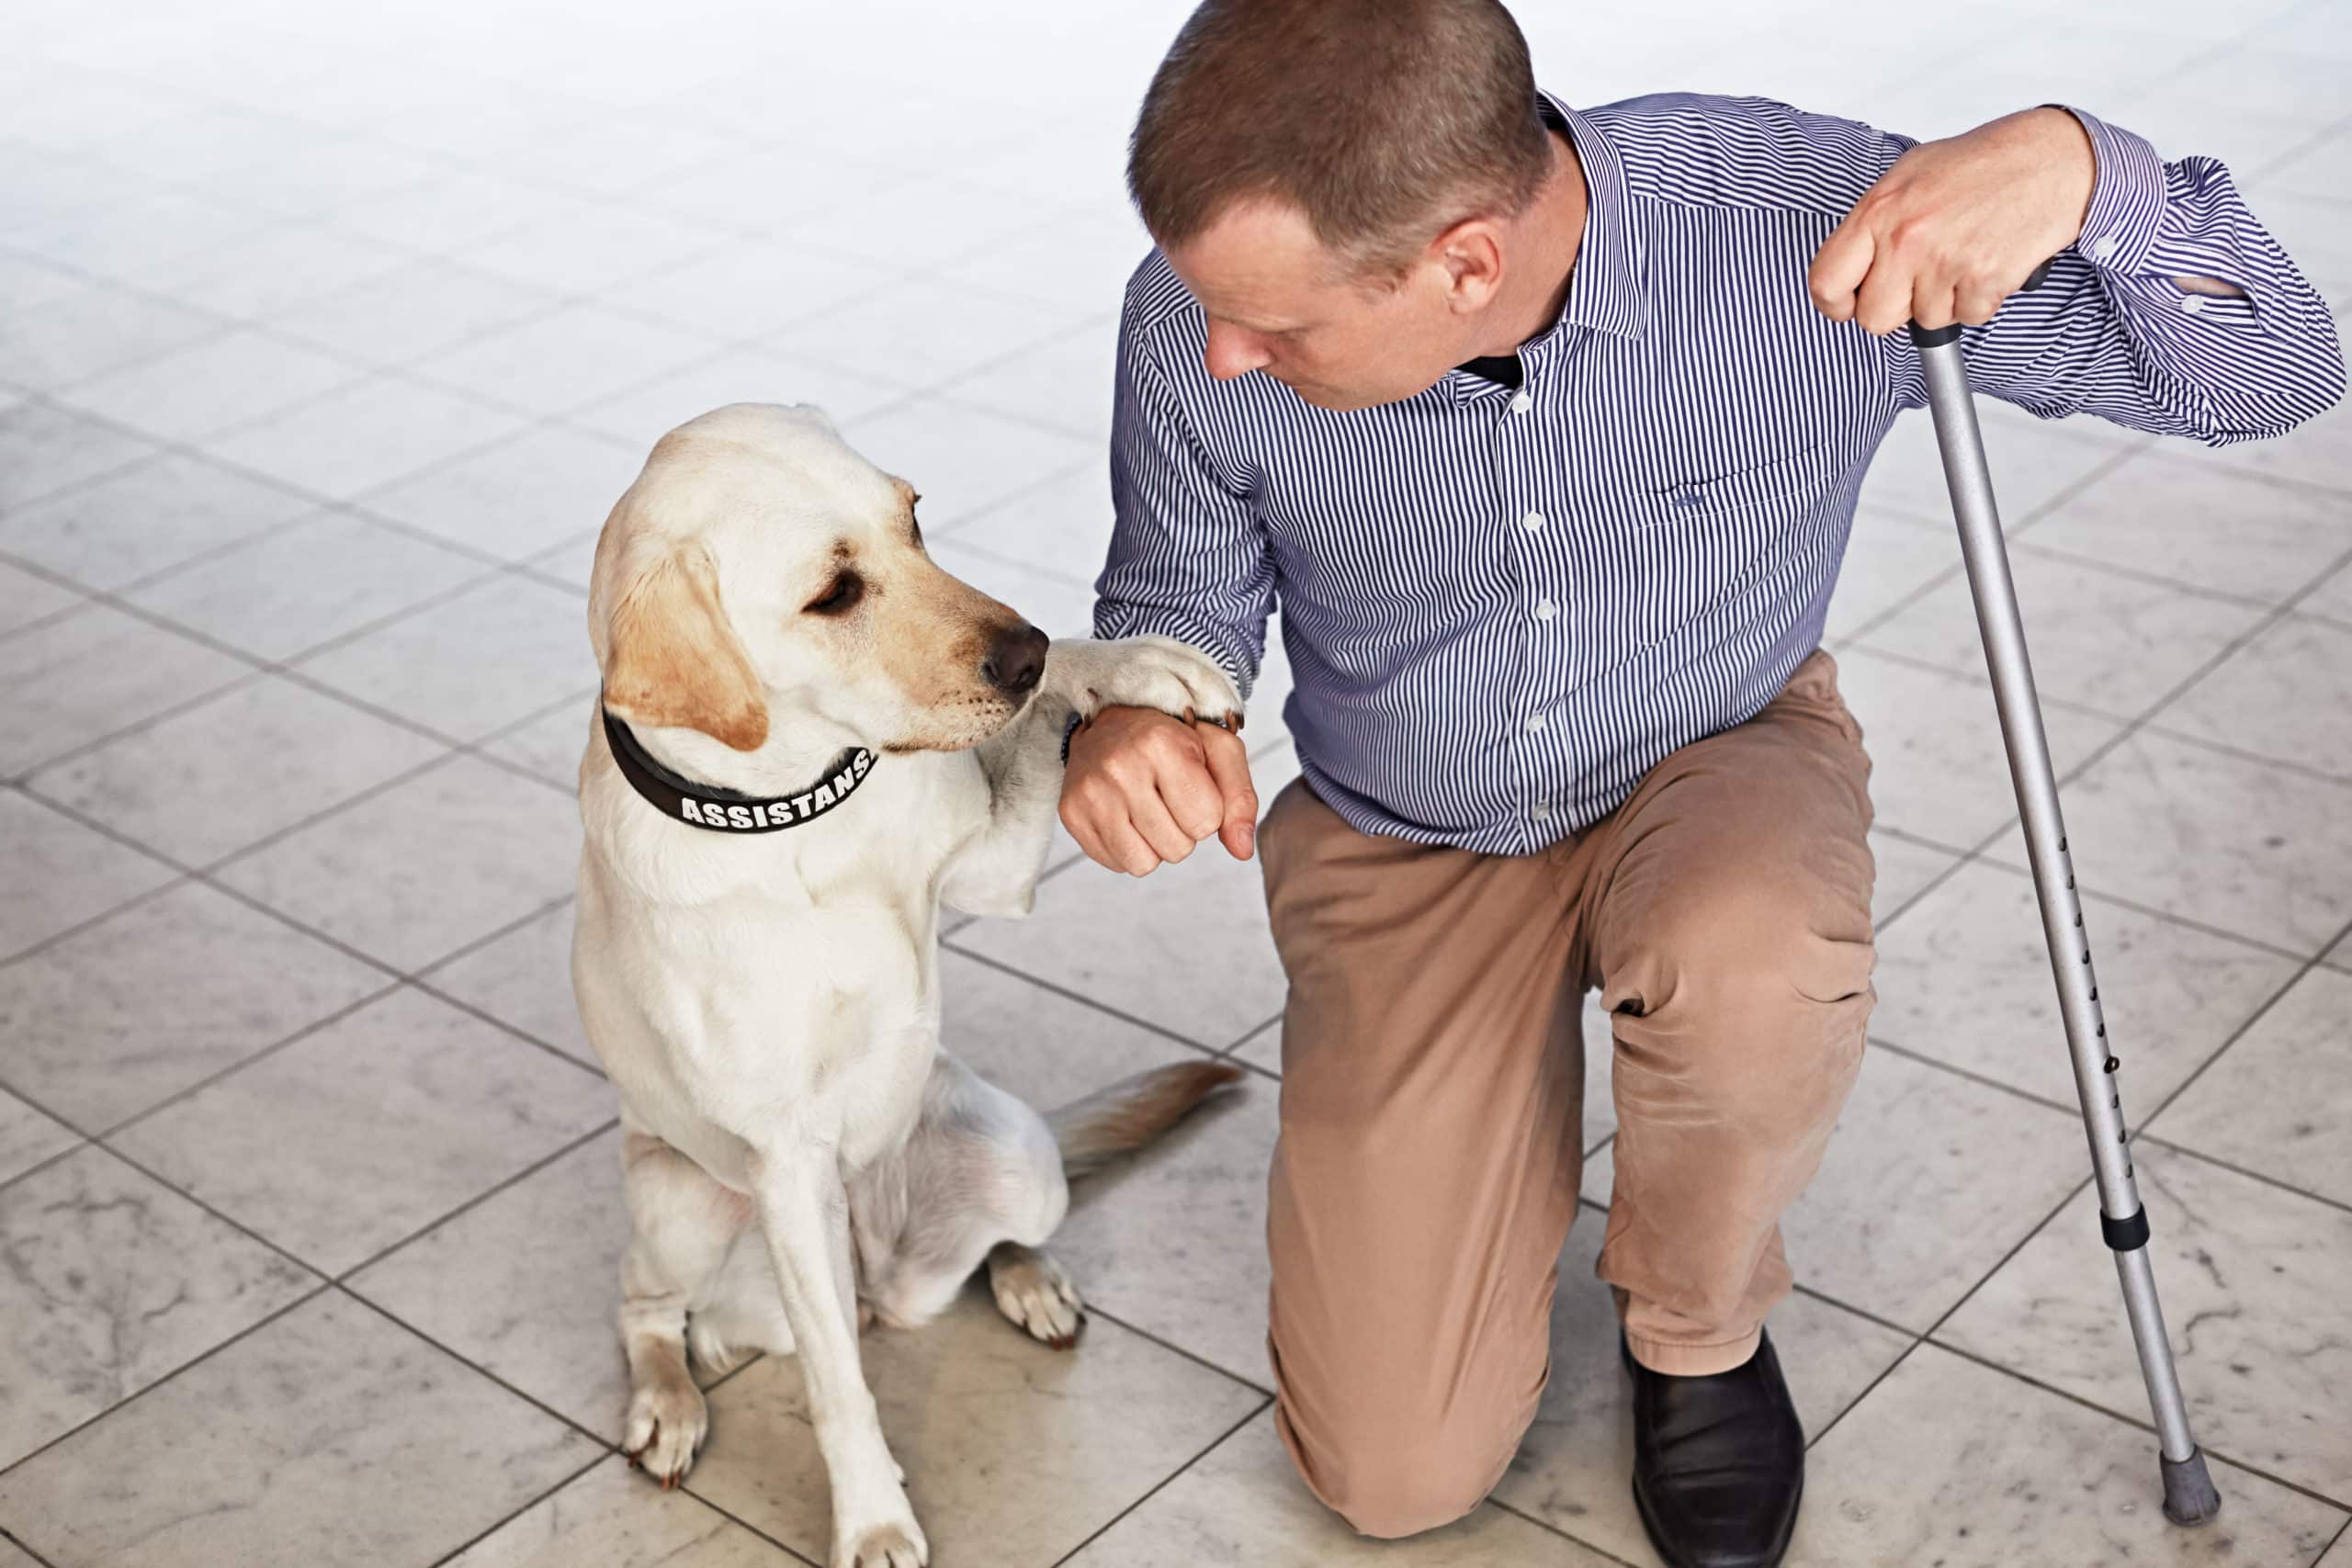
<point>2189,1498</point>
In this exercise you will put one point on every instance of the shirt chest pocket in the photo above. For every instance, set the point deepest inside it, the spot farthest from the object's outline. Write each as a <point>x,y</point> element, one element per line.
<point>1694,545</point>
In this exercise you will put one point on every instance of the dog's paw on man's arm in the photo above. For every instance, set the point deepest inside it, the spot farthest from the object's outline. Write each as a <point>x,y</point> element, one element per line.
<point>1157,673</point>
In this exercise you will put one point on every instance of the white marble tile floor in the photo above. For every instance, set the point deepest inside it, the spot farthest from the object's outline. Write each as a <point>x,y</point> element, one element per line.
<point>327,338</point>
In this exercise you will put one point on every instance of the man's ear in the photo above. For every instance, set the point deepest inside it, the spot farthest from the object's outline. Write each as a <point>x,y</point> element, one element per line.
<point>674,664</point>
<point>1471,251</point>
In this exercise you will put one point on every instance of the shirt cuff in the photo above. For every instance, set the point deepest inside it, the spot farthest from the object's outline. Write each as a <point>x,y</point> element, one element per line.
<point>2127,198</point>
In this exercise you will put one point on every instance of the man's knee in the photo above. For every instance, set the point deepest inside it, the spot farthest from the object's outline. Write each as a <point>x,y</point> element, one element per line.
<point>1752,948</point>
<point>1393,1473</point>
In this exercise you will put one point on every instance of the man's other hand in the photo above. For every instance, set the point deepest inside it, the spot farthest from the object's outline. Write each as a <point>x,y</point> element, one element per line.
<point>1955,226</point>
<point>1143,788</point>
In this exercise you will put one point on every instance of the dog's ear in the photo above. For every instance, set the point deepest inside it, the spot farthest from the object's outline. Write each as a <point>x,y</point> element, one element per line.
<point>675,663</point>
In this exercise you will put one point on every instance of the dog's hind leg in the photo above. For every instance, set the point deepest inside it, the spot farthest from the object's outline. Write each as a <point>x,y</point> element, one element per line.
<point>979,1179</point>
<point>1035,1293</point>
<point>682,1225</point>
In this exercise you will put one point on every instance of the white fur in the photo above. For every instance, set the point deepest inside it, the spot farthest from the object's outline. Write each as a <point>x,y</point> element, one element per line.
<point>799,1150</point>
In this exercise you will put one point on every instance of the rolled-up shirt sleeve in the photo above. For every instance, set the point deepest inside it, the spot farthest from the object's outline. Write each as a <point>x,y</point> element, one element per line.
<point>1188,555</point>
<point>2123,330</point>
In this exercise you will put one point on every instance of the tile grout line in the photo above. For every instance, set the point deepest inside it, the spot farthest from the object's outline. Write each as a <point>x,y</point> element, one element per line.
<point>2156,726</point>
<point>1005,969</point>
<point>1027,977</point>
<point>80,1141</point>
<point>2127,905</point>
<point>1090,1310</point>
<point>1249,1036</point>
<point>2073,1110</point>
<point>726,1513</point>
<point>1928,1337</point>
<point>2235,1035</point>
<point>13,1539</point>
<point>2087,1183</point>
<point>571,1146</point>
<point>1958,569</point>
<point>1982,851</point>
<point>501,1523</point>
<point>1919,1339</point>
<point>2137,1423</point>
<point>1216,1443</point>
<point>339,1284</point>
<point>191,1090</point>
<point>2058,555</point>
<point>1975,678</point>
<point>1548,1527</point>
<point>206,874</point>
<point>556,301</point>
<point>2148,714</point>
<point>321,1289</point>
<point>398,978</point>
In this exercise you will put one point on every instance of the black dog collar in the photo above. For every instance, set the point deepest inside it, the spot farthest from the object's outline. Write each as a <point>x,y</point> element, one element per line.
<point>727,810</point>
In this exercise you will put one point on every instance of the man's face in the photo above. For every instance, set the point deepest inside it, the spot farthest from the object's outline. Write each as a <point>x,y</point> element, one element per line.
<point>1279,301</point>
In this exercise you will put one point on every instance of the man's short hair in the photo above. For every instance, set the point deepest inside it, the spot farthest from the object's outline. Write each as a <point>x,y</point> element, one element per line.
<point>1385,122</point>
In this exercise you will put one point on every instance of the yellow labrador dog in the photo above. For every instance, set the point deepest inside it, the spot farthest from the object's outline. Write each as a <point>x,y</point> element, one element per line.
<point>809,738</point>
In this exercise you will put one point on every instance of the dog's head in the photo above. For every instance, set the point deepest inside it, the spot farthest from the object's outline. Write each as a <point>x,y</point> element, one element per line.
<point>759,567</point>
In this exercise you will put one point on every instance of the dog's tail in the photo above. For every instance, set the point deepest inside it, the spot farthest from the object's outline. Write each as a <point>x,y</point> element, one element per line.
<point>1133,1111</point>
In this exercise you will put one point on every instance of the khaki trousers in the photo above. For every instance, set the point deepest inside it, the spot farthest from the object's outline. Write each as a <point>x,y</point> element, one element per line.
<point>1433,1079</point>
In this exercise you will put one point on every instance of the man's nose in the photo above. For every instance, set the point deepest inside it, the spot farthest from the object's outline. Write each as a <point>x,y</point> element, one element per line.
<point>1016,659</point>
<point>1232,352</point>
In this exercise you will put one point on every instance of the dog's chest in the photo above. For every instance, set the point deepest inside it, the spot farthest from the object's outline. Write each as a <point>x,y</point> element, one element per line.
<point>826,1015</point>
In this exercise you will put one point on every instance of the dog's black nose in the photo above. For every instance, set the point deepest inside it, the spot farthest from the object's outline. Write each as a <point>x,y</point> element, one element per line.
<point>1016,659</point>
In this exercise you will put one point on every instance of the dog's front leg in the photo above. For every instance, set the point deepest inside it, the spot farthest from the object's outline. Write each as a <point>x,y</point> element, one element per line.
<point>804,1209</point>
<point>996,873</point>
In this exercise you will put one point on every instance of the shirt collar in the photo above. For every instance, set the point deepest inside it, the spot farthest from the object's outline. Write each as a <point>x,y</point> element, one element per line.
<point>1605,292</point>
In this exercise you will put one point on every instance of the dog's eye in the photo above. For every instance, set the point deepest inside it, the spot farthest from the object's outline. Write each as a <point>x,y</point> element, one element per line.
<point>847,590</point>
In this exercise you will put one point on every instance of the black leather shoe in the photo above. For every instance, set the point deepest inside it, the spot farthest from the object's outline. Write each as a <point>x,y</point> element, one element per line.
<point>1718,1463</point>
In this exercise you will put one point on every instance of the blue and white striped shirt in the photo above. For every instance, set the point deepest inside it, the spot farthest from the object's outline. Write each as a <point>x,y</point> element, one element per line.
<point>1503,608</point>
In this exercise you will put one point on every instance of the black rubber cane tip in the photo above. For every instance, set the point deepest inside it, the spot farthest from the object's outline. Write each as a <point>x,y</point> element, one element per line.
<point>2189,1498</point>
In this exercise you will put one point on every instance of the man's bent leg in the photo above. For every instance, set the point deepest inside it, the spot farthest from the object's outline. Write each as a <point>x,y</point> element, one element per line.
<point>1729,905</point>
<point>1426,1167</point>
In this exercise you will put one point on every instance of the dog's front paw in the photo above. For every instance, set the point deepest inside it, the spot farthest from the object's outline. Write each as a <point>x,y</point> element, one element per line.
<point>667,1423</point>
<point>898,1544</point>
<point>1153,673</point>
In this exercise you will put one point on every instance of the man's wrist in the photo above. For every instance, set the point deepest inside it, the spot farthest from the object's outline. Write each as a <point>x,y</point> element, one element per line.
<point>2127,200</point>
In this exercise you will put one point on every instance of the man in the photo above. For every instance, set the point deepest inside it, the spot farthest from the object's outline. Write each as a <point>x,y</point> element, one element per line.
<point>1544,429</point>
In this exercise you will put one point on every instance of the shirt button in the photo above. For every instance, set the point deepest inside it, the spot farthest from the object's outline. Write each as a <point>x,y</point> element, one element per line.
<point>2105,249</point>
<point>1539,811</point>
<point>1545,609</point>
<point>1521,402</point>
<point>1536,723</point>
<point>2192,303</point>
<point>1532,522</point>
